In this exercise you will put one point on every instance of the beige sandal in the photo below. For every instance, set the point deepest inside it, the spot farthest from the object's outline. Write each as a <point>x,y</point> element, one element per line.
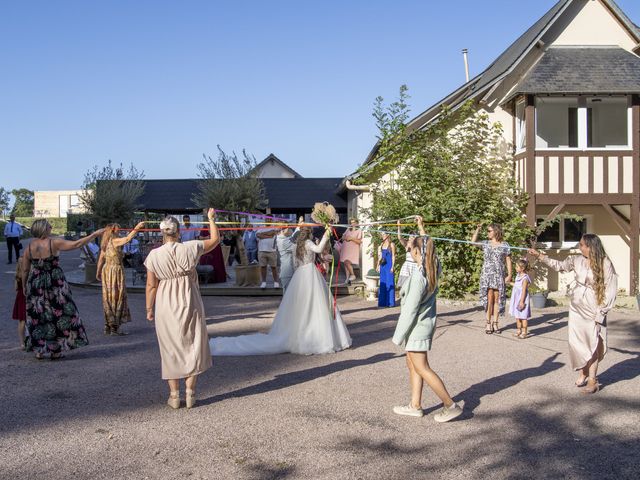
<point>592,386</point>
<point>190,398</point>
<point>174,400</point>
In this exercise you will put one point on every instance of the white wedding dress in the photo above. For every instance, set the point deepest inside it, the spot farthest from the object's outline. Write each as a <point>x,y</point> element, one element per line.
<point>304,322</point>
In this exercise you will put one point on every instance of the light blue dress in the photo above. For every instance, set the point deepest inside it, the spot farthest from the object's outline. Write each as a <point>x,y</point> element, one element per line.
<point>417,320</point>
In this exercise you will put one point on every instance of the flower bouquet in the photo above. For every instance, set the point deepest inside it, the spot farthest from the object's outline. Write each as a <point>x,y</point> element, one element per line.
<point>324,213</point>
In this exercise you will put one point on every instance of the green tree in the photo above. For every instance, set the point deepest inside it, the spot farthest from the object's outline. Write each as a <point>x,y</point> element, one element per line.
<point>457,169</point>
<point>4,201</point>
<point>23,204</point>
<point>111,194</point>
<point>230,183</point>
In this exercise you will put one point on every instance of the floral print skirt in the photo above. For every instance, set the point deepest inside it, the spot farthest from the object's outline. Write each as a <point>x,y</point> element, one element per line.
<point>53,321</point>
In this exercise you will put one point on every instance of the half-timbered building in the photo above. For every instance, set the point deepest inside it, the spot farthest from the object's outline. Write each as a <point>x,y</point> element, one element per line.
<point>567,93</point>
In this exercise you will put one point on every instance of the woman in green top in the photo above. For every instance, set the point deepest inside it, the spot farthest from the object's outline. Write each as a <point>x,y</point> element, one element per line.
<point>415,329</point>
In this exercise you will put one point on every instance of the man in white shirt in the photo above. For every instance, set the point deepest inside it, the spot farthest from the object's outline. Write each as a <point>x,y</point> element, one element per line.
<point>13,232</point>
<point>186,232</point>
<point>131,251</point>
<point>267,256</point>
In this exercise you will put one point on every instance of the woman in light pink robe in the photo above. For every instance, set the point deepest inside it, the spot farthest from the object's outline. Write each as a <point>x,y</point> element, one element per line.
<point>593,294</point>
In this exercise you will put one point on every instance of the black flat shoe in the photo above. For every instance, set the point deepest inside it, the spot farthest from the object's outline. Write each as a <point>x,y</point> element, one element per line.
<point>58,356</point>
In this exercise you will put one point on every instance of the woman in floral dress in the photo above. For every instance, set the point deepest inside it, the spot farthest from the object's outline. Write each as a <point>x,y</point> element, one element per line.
<point>110,271</point>
<point>494,276</point>
<point>53,321</point>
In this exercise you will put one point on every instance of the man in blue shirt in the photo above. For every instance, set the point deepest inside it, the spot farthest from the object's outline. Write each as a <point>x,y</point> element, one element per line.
<point>13,232</point>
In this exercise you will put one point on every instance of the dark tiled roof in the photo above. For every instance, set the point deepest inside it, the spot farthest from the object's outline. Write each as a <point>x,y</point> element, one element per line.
<point>584,70</point>
<point>290,194</point>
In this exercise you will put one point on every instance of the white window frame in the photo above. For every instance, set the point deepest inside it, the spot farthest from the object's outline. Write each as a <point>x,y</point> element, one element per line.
<point>582,128</point>
<point>588,219</point>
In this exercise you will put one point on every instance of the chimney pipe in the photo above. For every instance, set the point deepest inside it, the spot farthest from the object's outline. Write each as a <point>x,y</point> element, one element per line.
<point>466,63</point>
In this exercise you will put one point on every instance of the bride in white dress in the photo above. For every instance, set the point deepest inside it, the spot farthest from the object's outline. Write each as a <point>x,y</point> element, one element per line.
<point>305,322</point>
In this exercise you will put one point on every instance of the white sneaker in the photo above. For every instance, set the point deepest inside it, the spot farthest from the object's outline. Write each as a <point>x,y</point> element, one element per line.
<point>263,285</point>
<point>446,414</point>
<point>408,410</point>
<point>276,285</point>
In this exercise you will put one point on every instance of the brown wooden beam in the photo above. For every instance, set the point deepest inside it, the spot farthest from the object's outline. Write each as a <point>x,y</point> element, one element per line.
<point>620,222</point>
<point>584,199</point>
<point>554,213</point>
<point>585,153</point>
<point>635,205</point>
<point>530,168</point>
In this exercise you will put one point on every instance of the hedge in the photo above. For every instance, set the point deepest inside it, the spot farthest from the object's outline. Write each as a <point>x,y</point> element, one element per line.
<point>59,225</point>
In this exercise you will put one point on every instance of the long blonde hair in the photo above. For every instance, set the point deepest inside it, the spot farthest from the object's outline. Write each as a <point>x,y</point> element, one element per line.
<point>109,230</point>
<point>597,256</point>
<point>426,250</point>
<point>304,235</point>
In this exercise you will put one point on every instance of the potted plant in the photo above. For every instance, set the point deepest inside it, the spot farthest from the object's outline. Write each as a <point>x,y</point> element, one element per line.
<point>538,296</point>
<point>371,280</point>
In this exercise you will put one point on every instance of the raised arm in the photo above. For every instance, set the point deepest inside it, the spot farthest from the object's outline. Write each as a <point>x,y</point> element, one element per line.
<point>566,265</point>
<point>65,245</point>
<point>474,237</point>
<point>420,222</point>
<point>319,248</point>
<point>214,237</point>
<point>118,242</point>
<point>402,241</point>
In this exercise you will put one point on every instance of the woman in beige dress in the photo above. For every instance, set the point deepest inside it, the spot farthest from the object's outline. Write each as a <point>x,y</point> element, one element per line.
<point>110,271</point>
<point>593,294</point>
<point>172,287</point>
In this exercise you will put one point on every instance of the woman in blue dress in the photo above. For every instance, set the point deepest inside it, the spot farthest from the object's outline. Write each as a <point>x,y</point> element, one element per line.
<point>386,261</point>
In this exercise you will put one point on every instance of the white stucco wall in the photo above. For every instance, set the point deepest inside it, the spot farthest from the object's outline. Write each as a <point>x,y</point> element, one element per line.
<point>273,169</point>
<point>591,23</point>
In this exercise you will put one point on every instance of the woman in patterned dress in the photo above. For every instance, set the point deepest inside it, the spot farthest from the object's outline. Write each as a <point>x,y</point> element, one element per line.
<point>53,321</point>
<point>110,271</point>
<point>493,280</point>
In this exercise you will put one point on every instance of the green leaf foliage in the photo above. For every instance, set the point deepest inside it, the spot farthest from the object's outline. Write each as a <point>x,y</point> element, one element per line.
<point>23,204</point>
<point>230,183</point>
<point>111,194</point>
<point>456,169</point>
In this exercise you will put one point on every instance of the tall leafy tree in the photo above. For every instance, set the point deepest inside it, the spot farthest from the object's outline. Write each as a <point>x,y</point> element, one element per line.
<point>230,183</point>
<point>111,194</point>
<point>457,169</point>
<point>4,201</point>
<point>23,204</point>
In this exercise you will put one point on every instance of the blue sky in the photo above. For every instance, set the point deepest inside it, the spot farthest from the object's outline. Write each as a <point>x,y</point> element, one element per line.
<point>158,82</point>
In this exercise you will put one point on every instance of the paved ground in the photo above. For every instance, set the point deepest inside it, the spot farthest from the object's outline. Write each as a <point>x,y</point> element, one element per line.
<point>101,413</point>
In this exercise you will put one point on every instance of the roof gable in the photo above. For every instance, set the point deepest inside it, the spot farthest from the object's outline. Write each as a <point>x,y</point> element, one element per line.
<point>273,160</point>
<point>507,62</point>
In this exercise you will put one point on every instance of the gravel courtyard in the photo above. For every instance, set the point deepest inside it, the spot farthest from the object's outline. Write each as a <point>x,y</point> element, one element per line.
<point>100,413</point>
